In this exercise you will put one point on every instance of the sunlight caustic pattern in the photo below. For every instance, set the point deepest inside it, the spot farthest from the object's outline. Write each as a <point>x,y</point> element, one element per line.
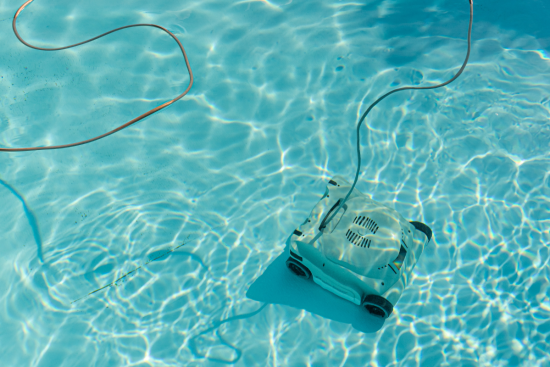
<point>239,162</point>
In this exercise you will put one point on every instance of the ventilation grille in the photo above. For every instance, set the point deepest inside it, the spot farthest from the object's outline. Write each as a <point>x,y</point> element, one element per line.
<point>357,240</point>
<point>366,222</point>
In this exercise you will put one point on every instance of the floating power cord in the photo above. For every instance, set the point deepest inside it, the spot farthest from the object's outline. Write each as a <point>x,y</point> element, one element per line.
<point>327,220</point>
<point>141,117</point>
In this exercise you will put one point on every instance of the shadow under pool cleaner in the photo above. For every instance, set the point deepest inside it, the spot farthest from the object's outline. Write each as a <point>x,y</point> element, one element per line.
<point>355,247</point>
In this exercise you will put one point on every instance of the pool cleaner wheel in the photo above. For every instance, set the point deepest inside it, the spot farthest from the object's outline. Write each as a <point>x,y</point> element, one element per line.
<point>378,306</point>
<point>298,268</point>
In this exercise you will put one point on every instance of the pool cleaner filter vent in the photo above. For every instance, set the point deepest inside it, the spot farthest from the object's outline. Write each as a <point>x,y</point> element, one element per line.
<point>357,239</point>
<point>367,223</point>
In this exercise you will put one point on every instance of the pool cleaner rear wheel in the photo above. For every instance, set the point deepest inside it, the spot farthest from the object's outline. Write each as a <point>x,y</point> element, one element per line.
<point>298,268</point>
<point>378,306</point>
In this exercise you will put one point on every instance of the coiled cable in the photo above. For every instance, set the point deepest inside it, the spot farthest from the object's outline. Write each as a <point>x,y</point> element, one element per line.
<point>133,121</point>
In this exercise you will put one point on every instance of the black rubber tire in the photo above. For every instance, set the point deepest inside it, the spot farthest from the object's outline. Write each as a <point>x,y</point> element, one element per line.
<point>378,306</point>
<point>423,228</point>
<point>298,268</point>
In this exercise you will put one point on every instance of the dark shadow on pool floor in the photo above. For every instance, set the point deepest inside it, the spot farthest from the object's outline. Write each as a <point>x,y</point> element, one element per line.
<point>278,285</point>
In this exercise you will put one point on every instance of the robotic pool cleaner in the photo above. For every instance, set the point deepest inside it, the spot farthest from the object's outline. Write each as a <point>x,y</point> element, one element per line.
<point>356,248</point>
<point>365,254</point>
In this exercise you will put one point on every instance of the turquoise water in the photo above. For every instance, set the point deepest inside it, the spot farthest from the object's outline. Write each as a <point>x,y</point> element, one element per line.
<point>231,169</point>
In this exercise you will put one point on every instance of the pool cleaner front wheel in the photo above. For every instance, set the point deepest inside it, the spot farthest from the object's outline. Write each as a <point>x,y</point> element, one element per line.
<point>298,269</point>
<point>378,306</point>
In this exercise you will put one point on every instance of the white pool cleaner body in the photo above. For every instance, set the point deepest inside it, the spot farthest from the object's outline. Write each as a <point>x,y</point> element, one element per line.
<point>365,254</point>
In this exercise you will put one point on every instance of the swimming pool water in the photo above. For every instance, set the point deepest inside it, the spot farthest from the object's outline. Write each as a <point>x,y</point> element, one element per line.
<point>229,171</point>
